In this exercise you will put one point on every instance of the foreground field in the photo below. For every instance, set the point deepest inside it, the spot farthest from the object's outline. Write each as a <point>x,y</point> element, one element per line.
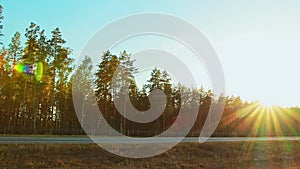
<point>265,154</point>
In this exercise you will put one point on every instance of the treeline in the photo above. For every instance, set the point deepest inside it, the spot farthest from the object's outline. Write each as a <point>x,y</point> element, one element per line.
<point>240,118</point>
<point>178,98</point>
<point>31,106</point>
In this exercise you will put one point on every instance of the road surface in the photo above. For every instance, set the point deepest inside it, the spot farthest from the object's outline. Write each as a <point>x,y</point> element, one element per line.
<point>104,140</point>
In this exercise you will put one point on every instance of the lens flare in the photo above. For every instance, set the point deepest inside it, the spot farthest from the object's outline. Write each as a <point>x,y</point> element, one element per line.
<point>39,71</point>
<point>36,70</point>
<point>257,119</point>
<point>20,67</point>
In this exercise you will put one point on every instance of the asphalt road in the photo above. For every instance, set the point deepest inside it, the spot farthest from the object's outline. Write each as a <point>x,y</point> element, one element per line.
<point>114,140</point>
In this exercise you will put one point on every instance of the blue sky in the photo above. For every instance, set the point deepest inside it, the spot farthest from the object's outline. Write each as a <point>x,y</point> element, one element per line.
<point>257,42</point>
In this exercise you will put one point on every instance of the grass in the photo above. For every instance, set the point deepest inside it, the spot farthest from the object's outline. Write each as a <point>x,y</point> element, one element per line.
<point>41,135</point>
<point>266,154</point>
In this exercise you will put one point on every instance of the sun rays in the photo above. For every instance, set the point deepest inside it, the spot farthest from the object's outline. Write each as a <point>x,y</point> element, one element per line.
<point>257,119</point>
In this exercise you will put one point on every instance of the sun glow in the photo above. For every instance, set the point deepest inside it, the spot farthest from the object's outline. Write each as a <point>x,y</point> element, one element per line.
<point>263,119</point>
<point>267,104</point>
<point>267,108</point>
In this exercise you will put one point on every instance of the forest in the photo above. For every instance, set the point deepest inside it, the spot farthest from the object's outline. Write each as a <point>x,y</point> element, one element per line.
<point>45,106</point>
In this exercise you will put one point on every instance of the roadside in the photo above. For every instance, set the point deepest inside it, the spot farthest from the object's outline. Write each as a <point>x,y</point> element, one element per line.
<point>267,154</point>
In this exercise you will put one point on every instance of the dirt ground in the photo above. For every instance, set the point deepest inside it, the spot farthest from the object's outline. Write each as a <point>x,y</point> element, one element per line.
<point>267,154</point>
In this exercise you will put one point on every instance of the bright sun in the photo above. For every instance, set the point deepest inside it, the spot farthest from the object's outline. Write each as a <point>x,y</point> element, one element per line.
<point>265,118</point>
<point>266,103</point>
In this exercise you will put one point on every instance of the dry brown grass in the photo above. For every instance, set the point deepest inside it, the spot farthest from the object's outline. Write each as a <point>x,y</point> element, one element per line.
<point>271,154</point>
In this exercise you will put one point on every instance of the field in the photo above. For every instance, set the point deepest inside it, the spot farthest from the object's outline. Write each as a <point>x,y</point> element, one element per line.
<point>264,154</point>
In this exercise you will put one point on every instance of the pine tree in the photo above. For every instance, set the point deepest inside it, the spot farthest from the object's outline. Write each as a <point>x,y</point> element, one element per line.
<point>14,54</point>
<point>155,80</point>
<point>28,105</point>
<point>104,88</point>
<point>61,67</point>
<point>82,89</point>
<point>126,79</point>
<point>15,51</point>
<point>44,91</point>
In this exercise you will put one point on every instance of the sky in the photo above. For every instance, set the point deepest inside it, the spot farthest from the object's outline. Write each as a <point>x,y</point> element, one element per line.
<point>257,42</point>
